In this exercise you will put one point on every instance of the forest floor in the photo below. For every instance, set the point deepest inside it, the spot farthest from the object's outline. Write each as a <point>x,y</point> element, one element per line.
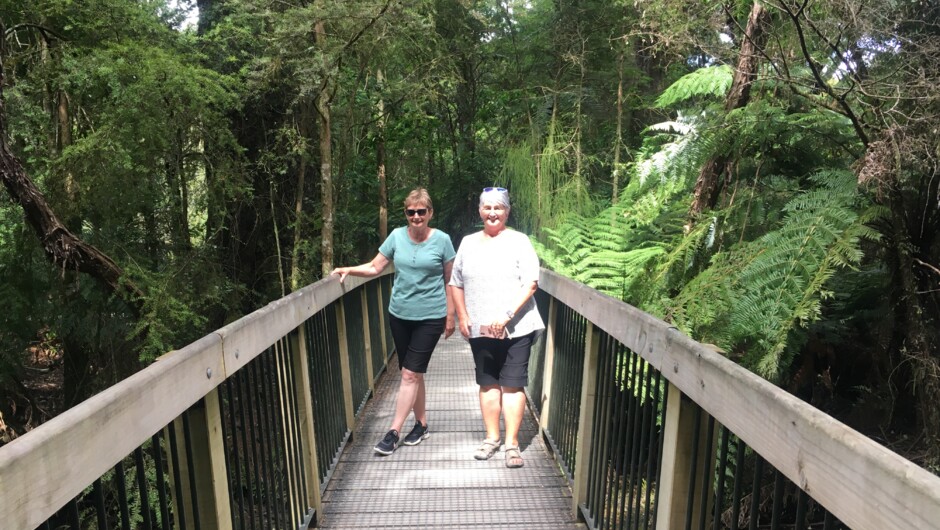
<point>37,393</point>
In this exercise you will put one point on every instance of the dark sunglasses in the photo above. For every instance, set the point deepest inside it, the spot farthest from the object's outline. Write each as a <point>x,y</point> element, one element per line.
<point>410,212</point>
<point>493,189</point>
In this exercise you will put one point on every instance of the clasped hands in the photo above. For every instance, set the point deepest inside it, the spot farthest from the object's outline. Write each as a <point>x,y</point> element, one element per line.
<point>496,329</point>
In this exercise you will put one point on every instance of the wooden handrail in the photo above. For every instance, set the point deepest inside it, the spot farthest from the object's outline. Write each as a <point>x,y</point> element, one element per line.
<point>41,471</point>
<point>861,482</point>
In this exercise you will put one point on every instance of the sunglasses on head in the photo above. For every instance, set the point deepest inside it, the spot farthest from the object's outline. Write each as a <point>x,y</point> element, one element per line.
<point>411,212</point>
<point>493,188</point>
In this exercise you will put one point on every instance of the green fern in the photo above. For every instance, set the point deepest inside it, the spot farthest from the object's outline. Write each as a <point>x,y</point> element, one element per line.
<point>781,287</point>
<point>710,82</point>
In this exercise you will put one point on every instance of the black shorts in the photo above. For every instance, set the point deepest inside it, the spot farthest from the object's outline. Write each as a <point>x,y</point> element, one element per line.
<point>415,341</point>
<point>503,362</point>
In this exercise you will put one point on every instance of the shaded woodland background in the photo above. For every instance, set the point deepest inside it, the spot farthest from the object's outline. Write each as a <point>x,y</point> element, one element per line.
<point>762,174</point>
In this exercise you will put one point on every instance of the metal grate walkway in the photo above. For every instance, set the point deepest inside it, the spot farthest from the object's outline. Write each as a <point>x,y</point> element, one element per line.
<point>438,484</point>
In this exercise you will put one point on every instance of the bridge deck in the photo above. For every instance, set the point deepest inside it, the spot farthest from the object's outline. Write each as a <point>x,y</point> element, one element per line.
<point>438,483</point>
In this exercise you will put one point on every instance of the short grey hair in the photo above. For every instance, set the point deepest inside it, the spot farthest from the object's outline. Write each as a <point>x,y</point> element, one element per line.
<point>495,195</point>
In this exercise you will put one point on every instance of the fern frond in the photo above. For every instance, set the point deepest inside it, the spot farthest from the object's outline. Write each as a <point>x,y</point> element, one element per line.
<point>710,82</point>
<point>781,288</point>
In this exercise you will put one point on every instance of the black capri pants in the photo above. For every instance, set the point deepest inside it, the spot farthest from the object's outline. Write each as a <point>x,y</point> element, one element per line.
<point>415,341</point>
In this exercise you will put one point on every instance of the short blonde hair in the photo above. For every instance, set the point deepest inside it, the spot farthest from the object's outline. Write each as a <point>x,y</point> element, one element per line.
<point>419,196</point>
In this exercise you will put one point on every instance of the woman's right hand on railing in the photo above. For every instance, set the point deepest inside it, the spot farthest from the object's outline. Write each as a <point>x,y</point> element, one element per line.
<point>342,272</point>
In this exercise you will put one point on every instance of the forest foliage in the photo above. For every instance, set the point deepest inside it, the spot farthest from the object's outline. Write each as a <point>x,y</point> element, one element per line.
<point>761,174</point>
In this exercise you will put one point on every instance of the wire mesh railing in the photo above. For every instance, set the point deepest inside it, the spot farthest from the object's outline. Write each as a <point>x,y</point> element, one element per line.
<point>243,428</point>
<point>261,437</point>
<point>626,453</point>
<point>254,417</point>
<point>134,493</point>
<point>567,368</point>
<point>359,365</point>
<point>534,388</point>
<point>655,430</point>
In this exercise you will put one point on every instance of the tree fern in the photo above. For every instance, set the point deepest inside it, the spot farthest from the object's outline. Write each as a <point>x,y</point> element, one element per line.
<point>710,82</point>
<point>616,248</point>
<point>780,289</point>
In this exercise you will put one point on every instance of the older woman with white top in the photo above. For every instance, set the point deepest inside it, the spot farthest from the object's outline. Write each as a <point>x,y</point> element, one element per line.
<point>495,274</point>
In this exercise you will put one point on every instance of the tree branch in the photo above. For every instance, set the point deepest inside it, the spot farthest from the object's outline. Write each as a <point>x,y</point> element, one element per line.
<point>61,246</point>
<point>820,82</point>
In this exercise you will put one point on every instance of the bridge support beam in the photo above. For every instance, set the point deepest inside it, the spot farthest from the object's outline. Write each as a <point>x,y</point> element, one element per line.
<point>367,338</point>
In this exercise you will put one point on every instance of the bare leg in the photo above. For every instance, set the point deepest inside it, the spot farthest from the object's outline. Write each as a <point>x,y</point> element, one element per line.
<point>420,406</point>
<point>407,396</point>
<point>490,397</point>
<point>513,409</point>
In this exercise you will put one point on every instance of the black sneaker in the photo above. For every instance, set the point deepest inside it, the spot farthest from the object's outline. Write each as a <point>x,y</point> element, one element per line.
<point>418,433</point>
<point>388,444</point>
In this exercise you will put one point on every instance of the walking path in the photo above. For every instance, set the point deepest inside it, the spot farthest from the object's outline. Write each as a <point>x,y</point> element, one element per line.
<point>438,483</point>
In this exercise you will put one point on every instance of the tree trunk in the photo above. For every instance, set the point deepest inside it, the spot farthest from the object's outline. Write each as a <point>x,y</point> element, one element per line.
<point>917,375</point>
<point>304,129</point>
<point>326,163</point>
<point>615,185</point>
<point>298,224</point>
<point>179,195</point>
<point>62,248</point>
<point>380,158</point>
<point>708,183</point>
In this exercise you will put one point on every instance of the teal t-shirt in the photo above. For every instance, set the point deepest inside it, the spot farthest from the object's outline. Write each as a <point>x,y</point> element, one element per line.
<point>418,290</point>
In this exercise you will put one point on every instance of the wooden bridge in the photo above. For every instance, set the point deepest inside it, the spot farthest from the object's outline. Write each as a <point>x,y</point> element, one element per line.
<point>269,423</point>
<point>438,484</point>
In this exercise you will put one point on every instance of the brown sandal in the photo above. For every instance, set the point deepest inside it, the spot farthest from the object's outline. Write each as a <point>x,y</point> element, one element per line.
<point>513,457</point>
<point>486,450</point>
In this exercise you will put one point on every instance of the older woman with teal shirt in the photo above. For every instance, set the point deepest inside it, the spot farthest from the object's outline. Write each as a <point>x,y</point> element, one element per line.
<point>420,308</point>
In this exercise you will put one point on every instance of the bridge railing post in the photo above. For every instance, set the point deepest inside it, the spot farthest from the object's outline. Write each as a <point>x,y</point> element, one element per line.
<point>307,427</point>
<point>684,459</point>
<point>381,323</point>
<point>586,417</point>
<point>348,405</point>
<point>367,339</point>
<point>201,469</point>
<point>548,362</point>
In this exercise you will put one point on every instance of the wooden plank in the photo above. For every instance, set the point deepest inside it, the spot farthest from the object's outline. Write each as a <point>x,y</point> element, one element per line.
<point>55,462</point>
<point>861,482</point>
<point>676,472</point>
<point>216,479</point>
<point>367,338</point>
<point>382,318</point>
<point>208,468</point>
